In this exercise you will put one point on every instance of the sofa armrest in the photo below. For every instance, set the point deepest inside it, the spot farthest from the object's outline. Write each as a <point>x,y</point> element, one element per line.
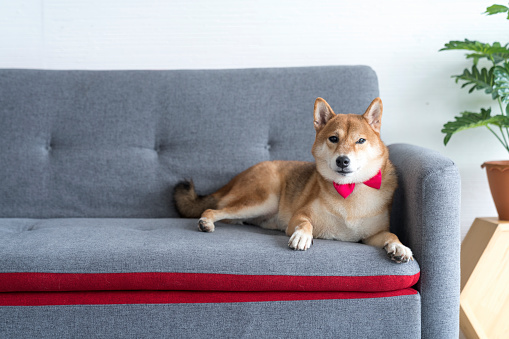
<point>426,217</point>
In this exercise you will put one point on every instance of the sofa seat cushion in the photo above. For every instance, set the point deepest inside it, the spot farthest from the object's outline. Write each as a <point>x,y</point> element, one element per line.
<point>50,255</point>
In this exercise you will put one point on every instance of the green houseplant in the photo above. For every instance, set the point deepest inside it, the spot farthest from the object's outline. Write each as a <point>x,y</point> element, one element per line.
<point>489,73</point>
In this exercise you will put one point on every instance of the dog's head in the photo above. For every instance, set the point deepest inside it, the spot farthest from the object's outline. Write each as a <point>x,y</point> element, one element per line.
<point>347,148</point>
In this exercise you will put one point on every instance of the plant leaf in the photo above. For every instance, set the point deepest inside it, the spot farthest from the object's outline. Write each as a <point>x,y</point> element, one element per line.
<point>501,82</point>
<point>495,52</point>
<point>495,9</point>
<point>481,80</point>
<point>468,120</point>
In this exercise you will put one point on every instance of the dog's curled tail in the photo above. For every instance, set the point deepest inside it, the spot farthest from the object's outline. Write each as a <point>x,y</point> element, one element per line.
<point>188,203</point>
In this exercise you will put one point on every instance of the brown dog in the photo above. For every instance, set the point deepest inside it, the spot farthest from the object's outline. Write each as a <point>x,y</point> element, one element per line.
<point>314,200</point>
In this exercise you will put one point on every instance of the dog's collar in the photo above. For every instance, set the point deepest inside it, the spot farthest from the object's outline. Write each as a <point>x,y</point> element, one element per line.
<point>346,189</point>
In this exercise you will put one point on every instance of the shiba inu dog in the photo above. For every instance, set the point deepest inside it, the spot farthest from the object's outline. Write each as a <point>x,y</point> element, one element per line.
<point>345,195</point>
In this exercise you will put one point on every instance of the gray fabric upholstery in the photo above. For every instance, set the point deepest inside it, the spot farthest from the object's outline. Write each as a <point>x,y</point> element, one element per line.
<point>396,317</point>
<point>176,245</point>
<point>88,163</point>
<point>426,216</point>
<point>114,143</point>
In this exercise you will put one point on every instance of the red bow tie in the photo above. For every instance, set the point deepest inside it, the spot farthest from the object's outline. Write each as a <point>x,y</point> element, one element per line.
<point>346,189</point>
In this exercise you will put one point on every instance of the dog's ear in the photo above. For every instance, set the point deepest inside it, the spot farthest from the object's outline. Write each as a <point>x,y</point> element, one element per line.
<point>374,114</point>
<point>323,113</point>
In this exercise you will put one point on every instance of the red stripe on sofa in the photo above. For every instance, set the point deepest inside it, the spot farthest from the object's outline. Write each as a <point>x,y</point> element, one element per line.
<point>153,281</point>
<point>177,297</point>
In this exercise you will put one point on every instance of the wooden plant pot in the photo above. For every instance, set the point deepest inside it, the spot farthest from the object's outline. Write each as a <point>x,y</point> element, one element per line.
<point>498,178</point>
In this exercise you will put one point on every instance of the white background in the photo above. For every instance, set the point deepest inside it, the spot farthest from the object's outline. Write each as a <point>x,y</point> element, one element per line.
<point>399,39</point>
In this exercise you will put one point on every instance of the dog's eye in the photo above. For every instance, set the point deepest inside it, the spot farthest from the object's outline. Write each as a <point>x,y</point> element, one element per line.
<point>361,141</point>
<point>334,139</point>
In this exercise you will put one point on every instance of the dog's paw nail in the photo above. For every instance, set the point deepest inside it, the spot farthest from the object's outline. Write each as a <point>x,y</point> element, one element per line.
<point>205,226</point>
<point>398,253</point>
<point>300,241</point>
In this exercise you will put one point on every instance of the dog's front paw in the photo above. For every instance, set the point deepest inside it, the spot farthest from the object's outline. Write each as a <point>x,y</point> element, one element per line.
<point>300,240</point>
<point>398,252</point>
<point>205,225</point>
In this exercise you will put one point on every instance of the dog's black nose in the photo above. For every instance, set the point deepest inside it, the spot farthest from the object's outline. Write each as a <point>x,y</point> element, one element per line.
<point>343,161</point>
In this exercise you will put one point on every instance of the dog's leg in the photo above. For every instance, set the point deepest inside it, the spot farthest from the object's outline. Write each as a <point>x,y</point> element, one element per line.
<point>209,217</point>
<point>390,242</point>
<point>238,211</point>
<point>300,231</point>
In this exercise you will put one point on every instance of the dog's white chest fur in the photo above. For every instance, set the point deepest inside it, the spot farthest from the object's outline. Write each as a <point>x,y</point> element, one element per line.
<point>349,230</point>
<point>336,222</point>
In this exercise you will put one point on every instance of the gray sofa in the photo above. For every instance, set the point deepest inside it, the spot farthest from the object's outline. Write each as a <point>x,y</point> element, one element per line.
<point>91,245</point>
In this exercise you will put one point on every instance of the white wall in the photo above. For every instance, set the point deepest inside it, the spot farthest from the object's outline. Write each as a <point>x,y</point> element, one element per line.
<point>399,39</point>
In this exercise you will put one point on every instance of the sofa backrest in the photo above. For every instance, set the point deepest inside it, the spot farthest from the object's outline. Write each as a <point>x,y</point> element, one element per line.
<point>114,143</point>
